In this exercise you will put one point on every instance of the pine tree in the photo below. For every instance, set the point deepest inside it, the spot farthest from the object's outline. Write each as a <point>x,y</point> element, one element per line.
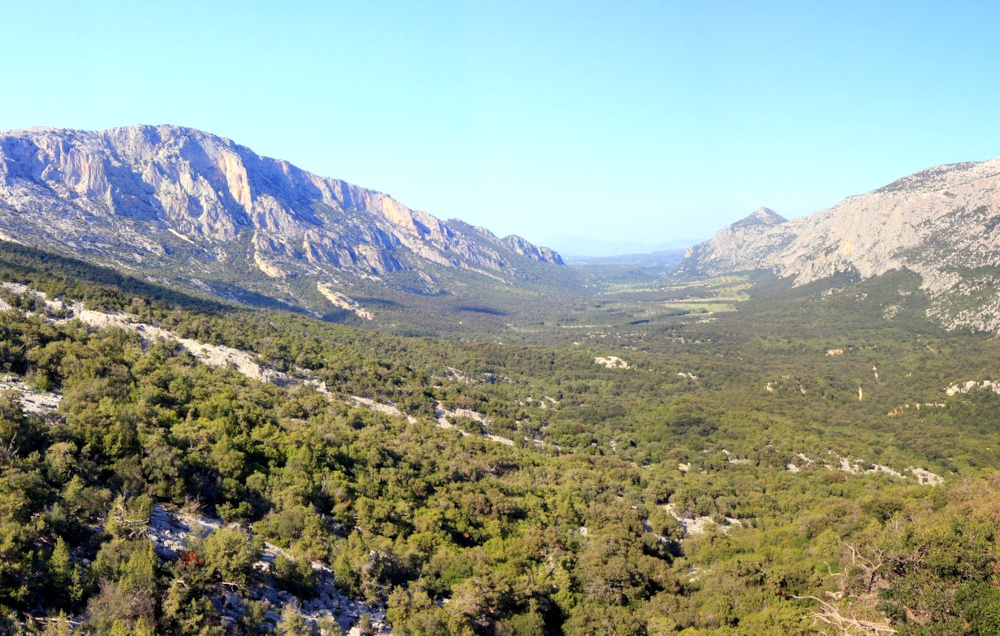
<point>292,623</point>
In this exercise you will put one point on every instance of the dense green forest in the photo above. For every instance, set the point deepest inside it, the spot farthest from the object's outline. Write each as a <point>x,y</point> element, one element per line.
<point>761,461</point>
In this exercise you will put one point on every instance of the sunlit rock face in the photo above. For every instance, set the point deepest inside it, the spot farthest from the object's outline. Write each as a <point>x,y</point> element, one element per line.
<point>730,248</point>
<point>942,223</point>
<point>130,193</point>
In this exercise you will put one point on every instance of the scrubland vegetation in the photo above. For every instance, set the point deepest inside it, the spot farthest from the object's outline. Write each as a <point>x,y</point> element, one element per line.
<point>742,417</point>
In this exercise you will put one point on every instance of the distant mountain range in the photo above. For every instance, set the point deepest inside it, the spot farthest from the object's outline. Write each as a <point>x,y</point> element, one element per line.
<point>577,247</point>
<point>189,206</point>
<point>942,223</point>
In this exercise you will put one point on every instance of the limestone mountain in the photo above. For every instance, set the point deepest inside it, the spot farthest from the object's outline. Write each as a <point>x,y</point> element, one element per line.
<point>187,205</point>
<point>726,250</point>
<point>942,223</point>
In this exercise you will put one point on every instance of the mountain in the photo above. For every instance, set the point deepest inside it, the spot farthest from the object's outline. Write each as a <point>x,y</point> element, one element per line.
<point>582,248</point>
<point>727,250</point>
<point>190,206</point>
<point>942,223</point>
<point>670,258</point>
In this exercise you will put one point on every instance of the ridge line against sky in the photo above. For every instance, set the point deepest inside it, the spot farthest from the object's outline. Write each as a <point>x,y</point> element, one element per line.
<point>648,121</point>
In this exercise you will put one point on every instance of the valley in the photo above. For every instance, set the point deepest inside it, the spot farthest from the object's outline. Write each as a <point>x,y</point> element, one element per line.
<point>441,431</point>
<point>499,319</point>
<point>717,470</point>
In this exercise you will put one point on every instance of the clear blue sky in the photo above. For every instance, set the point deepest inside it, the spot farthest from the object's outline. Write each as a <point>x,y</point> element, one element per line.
<point>648,121</point>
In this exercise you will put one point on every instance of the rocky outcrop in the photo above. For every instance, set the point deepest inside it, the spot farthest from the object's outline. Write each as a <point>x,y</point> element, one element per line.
<point>942,223</point>
<point>343,302</point>
<point>520,246</point>
<point>177,198</point>
<point>728,249</point>
<point>930,222</point>
<point>171,532</point>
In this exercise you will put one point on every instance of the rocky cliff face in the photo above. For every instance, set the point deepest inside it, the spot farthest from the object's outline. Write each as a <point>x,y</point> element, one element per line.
<point>942,223</point>
<point>174,197</point>
<point>729,248</point>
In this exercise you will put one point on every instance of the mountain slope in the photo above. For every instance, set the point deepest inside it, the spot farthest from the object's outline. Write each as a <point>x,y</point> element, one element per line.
<point>942,223</point>
<point>186,204</point>
<point>726,251</point>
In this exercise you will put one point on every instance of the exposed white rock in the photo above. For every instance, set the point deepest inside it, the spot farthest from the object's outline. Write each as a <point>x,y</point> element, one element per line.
<point>170,528</point>
<point>342,301</point>
<point>180,236</point>
<point>725,252</point>
<point>691,524</point>
<point>612,362</point>
<point>212,355</point>
<point>386,409</point>
<point>442,413</point>
<point>857,466</point>
<point>926,477</point>
<point>32,400</point>
<point>886,470</point>
<point>735,460</point>
<point>972,385</point>
<point>457,376</point>
<point>916,405</point>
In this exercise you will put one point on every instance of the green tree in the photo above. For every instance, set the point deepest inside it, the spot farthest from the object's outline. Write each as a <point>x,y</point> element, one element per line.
<point>188,611</point>
<point>292,623</point>
<point>129,597</point>
<point>230,554</point>
<point>66,587</point>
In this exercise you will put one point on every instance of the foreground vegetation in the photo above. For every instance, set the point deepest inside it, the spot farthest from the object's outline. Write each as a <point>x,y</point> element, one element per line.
<point>566,530</point>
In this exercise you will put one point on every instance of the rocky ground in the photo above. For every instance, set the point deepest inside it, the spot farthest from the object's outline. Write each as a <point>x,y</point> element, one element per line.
<point>32,400</point>
<point>170,529</point>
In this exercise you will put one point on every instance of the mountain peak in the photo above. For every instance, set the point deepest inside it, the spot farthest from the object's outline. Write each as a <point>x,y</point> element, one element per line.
<point>727,247</point>
<point>763,216</point>
<point>942,223</point>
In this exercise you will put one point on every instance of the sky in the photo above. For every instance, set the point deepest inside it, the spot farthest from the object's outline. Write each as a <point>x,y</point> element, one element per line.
<point>624,121</point>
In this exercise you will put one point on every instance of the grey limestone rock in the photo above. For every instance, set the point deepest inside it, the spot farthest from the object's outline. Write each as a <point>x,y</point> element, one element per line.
<point>942,223</point>
<point>181,199</point>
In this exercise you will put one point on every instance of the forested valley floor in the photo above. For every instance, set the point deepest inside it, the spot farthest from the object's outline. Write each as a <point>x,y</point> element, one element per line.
<point>653,456</point>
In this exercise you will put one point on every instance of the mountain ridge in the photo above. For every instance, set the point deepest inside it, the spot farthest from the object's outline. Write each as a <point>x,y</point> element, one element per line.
<point>942,223</point>
<point>185,200</point>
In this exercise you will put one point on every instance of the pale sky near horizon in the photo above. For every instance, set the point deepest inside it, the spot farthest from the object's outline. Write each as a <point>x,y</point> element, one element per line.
<point>644,121</point>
